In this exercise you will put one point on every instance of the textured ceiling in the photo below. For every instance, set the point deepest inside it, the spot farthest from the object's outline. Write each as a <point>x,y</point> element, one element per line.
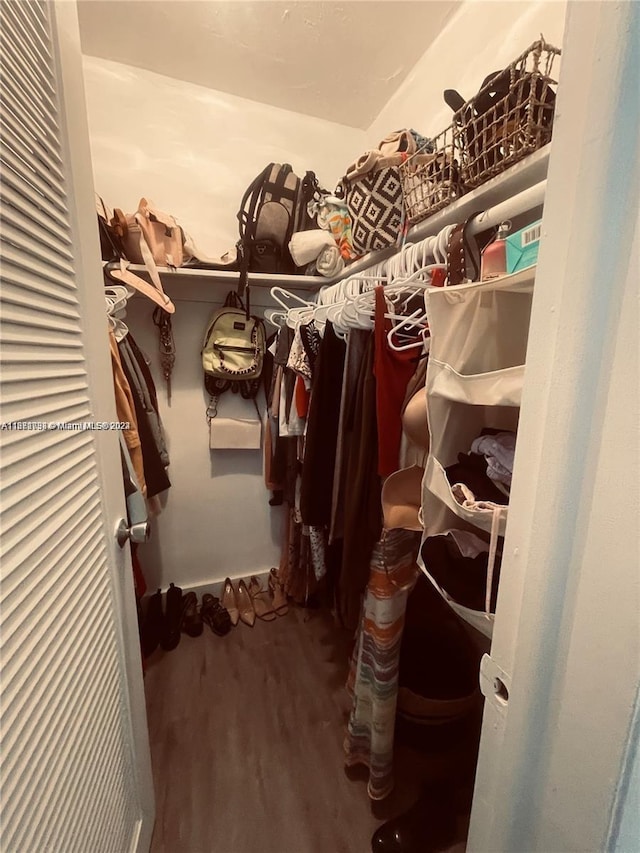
<point>338,61</point>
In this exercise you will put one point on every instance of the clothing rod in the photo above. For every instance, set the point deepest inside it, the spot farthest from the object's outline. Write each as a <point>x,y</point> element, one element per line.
<point>509,209</point>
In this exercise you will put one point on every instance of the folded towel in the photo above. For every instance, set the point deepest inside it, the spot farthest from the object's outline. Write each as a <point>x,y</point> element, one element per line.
<point>330,262</point>
<point>305,246</point>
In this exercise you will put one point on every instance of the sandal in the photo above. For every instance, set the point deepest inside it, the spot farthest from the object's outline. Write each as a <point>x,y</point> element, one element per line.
<point>215,615</point>
<point>262,600</point>
<point>277,591</point>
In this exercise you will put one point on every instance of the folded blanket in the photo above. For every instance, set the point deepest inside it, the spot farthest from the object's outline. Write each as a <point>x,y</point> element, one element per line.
<point>305,246</point>
<point>330,262</point>
<point>332,214</point>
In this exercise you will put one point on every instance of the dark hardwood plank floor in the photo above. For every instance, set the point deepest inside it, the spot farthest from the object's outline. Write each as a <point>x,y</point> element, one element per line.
<point>246,739</point>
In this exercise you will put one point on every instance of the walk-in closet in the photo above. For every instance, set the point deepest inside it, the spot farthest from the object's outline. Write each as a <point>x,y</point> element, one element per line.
<point>319,420</point>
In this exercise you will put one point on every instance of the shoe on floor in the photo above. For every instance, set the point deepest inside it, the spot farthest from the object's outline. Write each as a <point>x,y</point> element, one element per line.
<point>429,826</point>
<point>278,594</point>
<point>191,617</point>
<point>215,615</point>
<point>172,619</point>
<point>152,624</point>
<point>245,605</point>
<point>262,600</point>
<point>229,602</point>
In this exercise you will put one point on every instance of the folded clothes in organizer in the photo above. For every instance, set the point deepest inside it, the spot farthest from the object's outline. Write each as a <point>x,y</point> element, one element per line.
<point>305,246</point>
<point>470,482</point>
<point>457,561</point>
<point>499,450</point>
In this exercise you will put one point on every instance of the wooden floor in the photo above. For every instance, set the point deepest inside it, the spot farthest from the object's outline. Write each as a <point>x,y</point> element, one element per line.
<point>246,739</point>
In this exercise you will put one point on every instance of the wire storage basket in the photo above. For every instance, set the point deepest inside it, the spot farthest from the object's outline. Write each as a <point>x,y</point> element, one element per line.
<point>431,177</point>
<point>510,117</point>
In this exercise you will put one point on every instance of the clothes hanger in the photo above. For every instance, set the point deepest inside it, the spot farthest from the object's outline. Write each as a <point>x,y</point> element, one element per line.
<point>416,320</point>
<point>120,272</point>
<point>365,302</point>
<point>275,317</point>
<point>116,297</point>
<point>300,315</point>
<point>280,295</point>
<point>120,329</point>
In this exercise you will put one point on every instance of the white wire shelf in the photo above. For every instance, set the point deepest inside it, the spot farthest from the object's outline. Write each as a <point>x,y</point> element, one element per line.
<point>522,176</point>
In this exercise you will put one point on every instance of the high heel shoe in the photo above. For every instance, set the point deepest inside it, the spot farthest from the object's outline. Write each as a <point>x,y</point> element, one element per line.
<point>262,600</point>
<point>245,605</point>
<point>229,602</point>
<point>277,591</point>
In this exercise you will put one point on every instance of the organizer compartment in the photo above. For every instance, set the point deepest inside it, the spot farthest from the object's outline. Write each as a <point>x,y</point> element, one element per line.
<point>496,388</point>
<point>499,313</point>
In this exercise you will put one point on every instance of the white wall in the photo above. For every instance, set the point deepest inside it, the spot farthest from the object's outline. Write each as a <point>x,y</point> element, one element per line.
<point>481,37</point>
<point>194,151</point>
<point>216,519</point>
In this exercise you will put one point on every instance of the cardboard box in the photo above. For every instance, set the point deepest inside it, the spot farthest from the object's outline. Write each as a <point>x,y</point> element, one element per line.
<point>522,247</point>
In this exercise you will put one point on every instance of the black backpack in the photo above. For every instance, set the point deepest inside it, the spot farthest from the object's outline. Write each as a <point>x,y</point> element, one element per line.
<point>273,208</point>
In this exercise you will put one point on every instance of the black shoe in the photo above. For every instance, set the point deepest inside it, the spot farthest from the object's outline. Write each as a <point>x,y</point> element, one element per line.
<point>191,618</point>
<point>215,615</point>
<point>429,826</point>
<point>152,624</point>
<point>172,619</point>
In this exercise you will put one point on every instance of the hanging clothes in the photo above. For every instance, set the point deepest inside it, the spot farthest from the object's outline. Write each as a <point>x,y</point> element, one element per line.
<point>155,475</point>
<point>125,409</point>
<point>322,431</point>
<point>356,346</point>
<point>134,368</point>
<point>362,509</point>
<point>375,663</point>
<point>393,371</point>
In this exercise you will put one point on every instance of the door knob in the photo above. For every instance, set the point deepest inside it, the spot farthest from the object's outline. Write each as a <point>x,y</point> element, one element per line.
<point>136,533</point>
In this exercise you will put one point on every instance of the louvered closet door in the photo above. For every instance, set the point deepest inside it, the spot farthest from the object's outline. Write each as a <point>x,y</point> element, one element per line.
<point>74,774</point>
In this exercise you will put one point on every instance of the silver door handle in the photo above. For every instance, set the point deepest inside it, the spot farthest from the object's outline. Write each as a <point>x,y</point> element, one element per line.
<point>137,533</point>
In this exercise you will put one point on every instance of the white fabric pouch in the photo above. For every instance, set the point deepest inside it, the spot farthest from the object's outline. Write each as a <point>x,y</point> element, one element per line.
<point>235,434</point>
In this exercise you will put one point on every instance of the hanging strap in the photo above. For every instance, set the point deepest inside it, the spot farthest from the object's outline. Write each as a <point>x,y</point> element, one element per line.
<point>166,345</point>
<point>212,408</point>
<point>460,248</point>
<point>493,547</point>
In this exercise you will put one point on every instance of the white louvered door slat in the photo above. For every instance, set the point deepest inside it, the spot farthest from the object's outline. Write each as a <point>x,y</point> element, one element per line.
<point>72,773</point>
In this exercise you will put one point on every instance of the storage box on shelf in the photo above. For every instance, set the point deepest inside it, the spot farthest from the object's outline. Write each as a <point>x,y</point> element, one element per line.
<point>474,380</point>
<point>509,118</point>
<point>431,178</point>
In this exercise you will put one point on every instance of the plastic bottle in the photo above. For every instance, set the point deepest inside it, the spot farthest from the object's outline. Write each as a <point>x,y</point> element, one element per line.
<point>494,257</point>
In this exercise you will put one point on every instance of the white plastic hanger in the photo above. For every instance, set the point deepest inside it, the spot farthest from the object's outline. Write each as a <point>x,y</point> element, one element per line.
<point>416,320</point>
<point>117,296</point>
<point>275,317</point>
<point>281,296</point>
